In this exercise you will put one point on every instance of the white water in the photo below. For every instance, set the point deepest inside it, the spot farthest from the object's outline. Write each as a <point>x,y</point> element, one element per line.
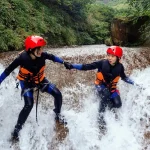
<point>124,133</point>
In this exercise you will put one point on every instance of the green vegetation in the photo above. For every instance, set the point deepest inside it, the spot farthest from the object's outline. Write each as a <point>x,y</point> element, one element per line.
<point>132,10</point>
<point>63,22</point>
<point>142,8</point>
<point>99,18</point>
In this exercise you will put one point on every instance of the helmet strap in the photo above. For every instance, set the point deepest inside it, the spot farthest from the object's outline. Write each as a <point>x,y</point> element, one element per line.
<point>117,61</point>
<point>31,51</point>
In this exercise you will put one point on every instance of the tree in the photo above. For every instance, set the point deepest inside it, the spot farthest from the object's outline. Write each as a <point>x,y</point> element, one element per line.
<point>142,6</point>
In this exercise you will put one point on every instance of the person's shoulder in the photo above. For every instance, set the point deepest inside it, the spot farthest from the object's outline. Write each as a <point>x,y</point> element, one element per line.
<point>120,63</point>
<point>121,66</point>
<point>101,60</point>
<point>23,55</point>
<point>104,60</point>
<point>44,55</point>
<point>22,51</point>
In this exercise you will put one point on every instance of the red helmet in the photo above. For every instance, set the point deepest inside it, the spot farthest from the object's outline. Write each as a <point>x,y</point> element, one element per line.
<point>115,50</point>
<point>33,42</point>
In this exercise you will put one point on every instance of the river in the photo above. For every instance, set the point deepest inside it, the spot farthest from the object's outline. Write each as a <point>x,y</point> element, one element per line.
<point>130,130</point>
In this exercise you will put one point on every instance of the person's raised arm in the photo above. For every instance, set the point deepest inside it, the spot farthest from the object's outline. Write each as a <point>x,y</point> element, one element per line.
<point>9,69</point>
<point>85,67</point>
<point>53,58</point>
<point>125,78</point>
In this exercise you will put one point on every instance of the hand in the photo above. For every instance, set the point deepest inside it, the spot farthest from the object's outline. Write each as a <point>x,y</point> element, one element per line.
<point>128,80</point>
<point>68,65</point>
<point>0,80</point>
<point>2,77</point>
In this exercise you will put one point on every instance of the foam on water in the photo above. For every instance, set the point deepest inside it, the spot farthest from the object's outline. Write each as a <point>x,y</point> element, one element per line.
<point>125,131</point>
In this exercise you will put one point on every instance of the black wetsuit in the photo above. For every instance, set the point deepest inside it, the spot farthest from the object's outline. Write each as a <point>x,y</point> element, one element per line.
<point>110,96</point>
<point>34,66</point>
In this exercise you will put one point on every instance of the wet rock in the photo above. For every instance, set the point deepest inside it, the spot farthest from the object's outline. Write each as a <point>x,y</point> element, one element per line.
<point>126,32</point>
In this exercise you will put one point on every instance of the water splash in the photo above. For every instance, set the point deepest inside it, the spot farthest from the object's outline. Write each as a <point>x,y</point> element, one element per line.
<point>80,105</point>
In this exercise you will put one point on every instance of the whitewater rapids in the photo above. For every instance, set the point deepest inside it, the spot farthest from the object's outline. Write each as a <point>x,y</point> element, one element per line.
<point>80,106</point>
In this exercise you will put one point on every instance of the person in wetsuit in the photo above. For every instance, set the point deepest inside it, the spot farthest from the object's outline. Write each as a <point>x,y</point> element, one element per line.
<point>109,72</point>
<point>31,74</point>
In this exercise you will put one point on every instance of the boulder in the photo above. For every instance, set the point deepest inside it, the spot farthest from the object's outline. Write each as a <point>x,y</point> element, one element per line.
<point>126,32</point>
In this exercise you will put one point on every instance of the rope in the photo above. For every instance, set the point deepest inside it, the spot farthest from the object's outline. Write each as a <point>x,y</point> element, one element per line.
<point>37,103</point>
<point>38,90</point>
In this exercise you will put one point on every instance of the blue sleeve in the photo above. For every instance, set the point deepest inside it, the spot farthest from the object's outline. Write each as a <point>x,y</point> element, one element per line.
<point>59,60</point>
<point>92,66</point>
<point>10,68</point>
<point>2,77</point>
<point>85,67</point>
<point>128,80</point>
<point>122,73</point>
<point>77,66</point>
<point>52,57</point>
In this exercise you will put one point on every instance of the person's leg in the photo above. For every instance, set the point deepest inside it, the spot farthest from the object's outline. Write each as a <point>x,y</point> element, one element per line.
<point>28,105</point>
<point>57,99</point>
<point>116,100</point>
<point>50,88</point>
<point>104,94</point>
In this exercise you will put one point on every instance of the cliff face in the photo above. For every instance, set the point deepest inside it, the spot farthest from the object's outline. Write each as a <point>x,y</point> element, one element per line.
<point>125,33</point>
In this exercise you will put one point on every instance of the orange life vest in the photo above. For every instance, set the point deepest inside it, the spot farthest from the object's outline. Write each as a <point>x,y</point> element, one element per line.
<point>24,74</point>
<point>100,79</point>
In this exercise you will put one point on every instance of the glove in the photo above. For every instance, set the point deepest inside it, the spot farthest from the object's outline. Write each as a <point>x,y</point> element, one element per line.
<point>68,65</point>
<point>128,80</point>
<point>2,77</point>
<point>1,80</point>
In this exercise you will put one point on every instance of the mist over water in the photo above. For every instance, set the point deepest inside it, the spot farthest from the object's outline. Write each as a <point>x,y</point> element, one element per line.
<point>125,129</point>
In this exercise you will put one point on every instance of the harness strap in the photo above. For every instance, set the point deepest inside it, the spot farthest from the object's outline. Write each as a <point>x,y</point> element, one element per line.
<point>38,89</point>
<point>24,91</point>
<point>17,85</point>
<point>37,102</point>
